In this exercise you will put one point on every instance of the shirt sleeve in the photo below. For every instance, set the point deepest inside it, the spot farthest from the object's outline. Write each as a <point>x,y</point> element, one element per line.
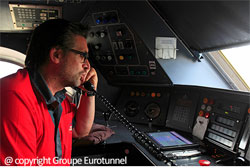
<point>18,128</point>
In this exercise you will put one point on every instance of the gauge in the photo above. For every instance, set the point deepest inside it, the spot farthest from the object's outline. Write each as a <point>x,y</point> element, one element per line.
<point>152,110</point>
<point>131,108</point>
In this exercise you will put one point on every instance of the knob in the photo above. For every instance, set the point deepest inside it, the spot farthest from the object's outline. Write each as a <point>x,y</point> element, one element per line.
<point>109,58</point>
<point>97,46</point>
<point>91,34</point>
<point>97,57</point>
<point>102,34</point>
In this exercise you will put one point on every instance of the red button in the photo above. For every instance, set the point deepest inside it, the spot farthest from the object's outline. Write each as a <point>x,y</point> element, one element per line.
<point>201,113</point>
<point>207,115</point>
<point>204,162</point>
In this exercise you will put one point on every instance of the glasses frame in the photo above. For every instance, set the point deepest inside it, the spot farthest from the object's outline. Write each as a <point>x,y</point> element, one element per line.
<point>83,55</point>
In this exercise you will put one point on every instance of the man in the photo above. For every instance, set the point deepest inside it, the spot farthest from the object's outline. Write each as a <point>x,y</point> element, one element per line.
<point>36,116</point>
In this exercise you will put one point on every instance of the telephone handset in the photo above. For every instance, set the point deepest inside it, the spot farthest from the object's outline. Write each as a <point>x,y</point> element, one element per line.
<point>138,135</point>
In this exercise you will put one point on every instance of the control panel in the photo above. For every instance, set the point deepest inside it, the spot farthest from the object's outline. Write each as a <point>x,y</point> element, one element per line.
<point>119,53</point>
<point>144,105</point>
<point>227,114</point>
<point>27,17</point>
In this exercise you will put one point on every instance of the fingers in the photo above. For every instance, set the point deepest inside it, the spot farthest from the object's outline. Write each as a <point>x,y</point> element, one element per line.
<point>92,77</point>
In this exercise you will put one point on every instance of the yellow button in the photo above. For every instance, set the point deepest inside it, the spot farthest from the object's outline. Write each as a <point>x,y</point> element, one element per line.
<point>121,57</point>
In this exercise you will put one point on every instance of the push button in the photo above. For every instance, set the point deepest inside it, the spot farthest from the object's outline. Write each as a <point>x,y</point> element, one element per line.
<point>204,162</point>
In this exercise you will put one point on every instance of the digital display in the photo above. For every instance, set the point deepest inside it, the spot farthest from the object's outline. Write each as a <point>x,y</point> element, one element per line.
<point>169,139</point>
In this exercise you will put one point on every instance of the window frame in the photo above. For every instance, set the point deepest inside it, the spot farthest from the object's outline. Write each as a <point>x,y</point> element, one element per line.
<point>228,72</point>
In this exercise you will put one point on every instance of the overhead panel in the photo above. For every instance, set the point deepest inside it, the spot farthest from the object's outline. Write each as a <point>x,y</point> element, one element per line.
<point>27,17</point>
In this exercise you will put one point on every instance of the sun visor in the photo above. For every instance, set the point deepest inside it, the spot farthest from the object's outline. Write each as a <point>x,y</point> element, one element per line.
<point>207,25</point>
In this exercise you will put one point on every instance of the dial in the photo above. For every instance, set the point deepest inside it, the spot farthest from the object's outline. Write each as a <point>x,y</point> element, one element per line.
<point>131,109</point>
<point>152,110</point>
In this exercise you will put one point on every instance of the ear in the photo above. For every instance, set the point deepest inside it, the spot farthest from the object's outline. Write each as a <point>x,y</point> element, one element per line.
<point>55,55</point>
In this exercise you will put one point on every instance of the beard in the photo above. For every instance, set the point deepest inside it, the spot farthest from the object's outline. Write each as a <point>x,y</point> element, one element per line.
<point>72,80</point>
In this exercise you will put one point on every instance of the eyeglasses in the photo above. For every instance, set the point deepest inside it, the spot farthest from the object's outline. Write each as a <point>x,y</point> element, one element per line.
<point>84,55</point>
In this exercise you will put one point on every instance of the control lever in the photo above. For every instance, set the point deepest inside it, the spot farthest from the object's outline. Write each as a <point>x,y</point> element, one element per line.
<point>138,135</point>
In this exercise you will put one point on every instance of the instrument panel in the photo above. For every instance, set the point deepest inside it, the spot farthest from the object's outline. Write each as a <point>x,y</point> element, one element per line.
<point>144,105</point>
<point>119,53</point>
<point>149,97</point>
<point>177,107</point>
<point>227,113</point>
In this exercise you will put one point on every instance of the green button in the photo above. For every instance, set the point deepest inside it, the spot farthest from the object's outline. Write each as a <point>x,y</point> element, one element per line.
<point>144,72</point>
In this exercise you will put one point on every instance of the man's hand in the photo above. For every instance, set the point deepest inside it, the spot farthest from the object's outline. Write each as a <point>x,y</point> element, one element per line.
<point>91,76</point>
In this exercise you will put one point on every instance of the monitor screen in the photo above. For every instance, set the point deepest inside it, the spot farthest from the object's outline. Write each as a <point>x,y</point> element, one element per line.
<point>169,139</point>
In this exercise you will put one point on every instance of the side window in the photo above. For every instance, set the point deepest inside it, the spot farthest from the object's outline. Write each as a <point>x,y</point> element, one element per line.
<point>8,68</point>
<point>10,61</point>
<point>232,64</point>
<point>239,59</point>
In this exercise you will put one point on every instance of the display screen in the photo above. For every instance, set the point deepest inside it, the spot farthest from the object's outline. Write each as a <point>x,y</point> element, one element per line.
<point>169,139</point>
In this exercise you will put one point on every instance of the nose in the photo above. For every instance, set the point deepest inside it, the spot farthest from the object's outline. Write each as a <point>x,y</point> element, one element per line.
<point>86,65</point>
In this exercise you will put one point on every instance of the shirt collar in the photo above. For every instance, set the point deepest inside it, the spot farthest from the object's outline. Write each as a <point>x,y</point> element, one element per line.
<point>40,84</point>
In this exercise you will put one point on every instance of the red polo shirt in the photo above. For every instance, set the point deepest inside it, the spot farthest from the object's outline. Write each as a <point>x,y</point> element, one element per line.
<point>27,130</point>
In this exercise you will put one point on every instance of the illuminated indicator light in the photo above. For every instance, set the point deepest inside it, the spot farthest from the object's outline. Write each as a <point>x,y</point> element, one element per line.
<point>98,21</point>
<point>153,94</point>
<point>201,113</point>
<point>249,110</point>
<point>226,112</point>
<point>205,100</point>
<point>207,115</point>
<point>158,94</point>
<point>132,93</point>
<point>121,57</point>
<point>137,93</point>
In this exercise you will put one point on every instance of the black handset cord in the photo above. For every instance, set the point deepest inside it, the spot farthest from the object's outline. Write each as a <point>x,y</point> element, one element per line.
<point>138,135</point>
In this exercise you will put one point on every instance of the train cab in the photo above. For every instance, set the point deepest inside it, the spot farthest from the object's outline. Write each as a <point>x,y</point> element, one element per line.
<point>167,95</point>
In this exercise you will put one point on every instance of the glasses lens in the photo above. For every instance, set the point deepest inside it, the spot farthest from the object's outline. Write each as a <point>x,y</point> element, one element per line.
<point>84,55</point>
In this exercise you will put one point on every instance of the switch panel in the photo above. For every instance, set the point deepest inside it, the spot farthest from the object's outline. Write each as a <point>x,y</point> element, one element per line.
<point>119,53</point>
